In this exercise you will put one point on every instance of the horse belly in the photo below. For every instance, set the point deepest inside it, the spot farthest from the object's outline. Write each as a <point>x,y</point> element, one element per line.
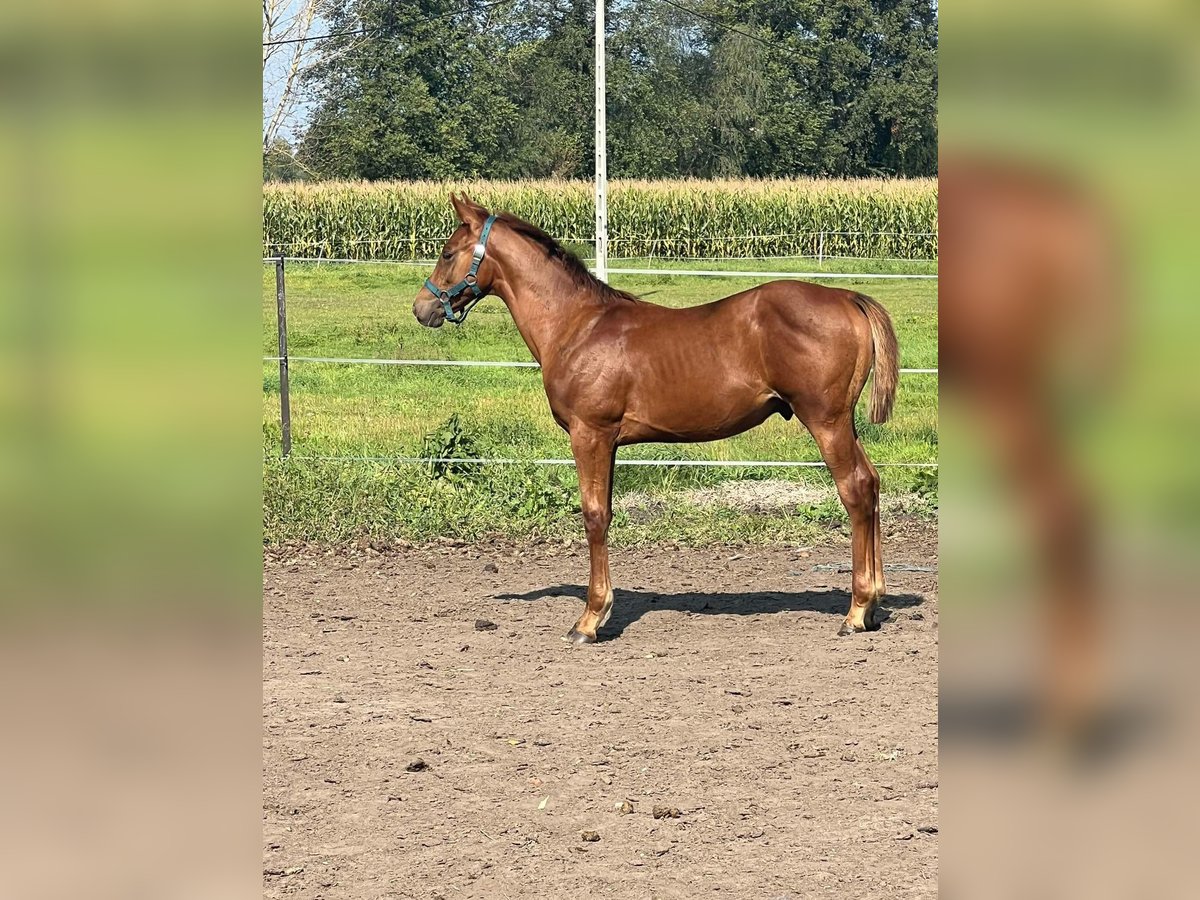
<point>714,415</point>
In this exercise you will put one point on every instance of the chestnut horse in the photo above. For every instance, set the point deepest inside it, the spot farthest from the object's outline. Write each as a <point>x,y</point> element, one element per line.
<point>618,370</point>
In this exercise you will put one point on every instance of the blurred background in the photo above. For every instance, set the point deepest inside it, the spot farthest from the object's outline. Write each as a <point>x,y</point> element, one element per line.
<point>130,553</point>
<point>1068,499</point>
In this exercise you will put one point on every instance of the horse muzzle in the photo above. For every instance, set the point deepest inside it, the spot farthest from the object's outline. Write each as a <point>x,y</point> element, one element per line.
<point>429,312</point>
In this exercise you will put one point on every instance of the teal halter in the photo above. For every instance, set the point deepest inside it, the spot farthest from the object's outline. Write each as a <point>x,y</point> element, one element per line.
<point>469,283</point>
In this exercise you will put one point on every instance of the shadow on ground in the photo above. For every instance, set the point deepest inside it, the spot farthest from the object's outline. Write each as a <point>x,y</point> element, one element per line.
<point>630,605</point>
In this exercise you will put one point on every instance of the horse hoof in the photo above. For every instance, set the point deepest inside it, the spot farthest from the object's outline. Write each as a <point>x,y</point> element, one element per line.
<point>871,624</point>
<point>578,638</point>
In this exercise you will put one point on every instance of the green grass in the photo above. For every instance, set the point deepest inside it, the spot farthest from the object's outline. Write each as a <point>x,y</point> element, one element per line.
<point>363,310</point>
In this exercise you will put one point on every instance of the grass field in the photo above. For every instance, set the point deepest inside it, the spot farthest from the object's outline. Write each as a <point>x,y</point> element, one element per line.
<point>363,310</point>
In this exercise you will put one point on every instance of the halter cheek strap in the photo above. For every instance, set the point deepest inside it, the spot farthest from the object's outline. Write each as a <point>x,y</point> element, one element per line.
<point>470,281</point>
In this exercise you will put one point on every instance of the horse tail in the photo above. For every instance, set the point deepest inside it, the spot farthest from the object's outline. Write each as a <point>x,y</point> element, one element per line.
<point>887,355</point>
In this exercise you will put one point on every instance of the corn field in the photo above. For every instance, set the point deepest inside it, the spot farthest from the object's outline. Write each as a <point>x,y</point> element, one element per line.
<point>862,218</point>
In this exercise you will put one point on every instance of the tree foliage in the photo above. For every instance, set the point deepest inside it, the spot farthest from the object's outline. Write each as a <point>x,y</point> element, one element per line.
<point>765,88</point>
<point>279,163</point>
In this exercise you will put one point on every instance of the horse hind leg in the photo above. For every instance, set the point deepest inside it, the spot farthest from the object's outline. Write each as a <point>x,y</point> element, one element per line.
<point>858,488</point>
<point>876,531</point>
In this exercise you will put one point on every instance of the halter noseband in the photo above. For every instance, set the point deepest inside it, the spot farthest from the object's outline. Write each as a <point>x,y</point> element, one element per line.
<point>469,282</point>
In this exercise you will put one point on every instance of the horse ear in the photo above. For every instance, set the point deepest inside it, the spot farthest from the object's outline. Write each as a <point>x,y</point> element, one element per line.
<point>468,211</point>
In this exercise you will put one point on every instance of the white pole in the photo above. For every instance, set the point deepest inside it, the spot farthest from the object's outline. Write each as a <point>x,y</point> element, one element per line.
<point>601,152</point>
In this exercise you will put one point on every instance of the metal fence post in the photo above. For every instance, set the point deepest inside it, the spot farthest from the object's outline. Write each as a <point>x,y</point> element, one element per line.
<point>821,249</point>
<point>285,403</point>
<point>601,150</point>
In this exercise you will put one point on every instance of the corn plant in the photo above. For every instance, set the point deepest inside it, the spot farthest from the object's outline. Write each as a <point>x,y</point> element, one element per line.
<point>680,219</point>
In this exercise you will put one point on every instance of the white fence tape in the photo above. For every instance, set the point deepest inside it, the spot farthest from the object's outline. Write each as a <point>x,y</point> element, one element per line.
<point>483,363</point>
<point>708,273</point>
<point>509,461</point>
<point>480,363</point>
<point>729,273</point>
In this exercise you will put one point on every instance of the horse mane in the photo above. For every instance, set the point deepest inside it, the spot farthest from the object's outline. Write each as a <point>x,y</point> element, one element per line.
<point>567,261</point>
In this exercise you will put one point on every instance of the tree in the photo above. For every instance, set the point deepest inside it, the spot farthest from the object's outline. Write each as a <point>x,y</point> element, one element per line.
<point>545,74</point>
<point>869,71</point>
<point>448,88</point>
<point>417,98</point>
<point>656,107</point>
<point>280,164</point>
<point>287,55</point>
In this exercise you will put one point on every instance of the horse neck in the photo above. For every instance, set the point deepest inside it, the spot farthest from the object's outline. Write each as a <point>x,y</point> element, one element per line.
<point>546,305</point>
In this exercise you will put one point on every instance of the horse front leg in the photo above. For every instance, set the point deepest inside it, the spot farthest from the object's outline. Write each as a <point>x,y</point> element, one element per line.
<point>595,455</point>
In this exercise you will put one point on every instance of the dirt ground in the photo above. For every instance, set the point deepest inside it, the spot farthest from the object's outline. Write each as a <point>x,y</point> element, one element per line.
<point>413,751</point>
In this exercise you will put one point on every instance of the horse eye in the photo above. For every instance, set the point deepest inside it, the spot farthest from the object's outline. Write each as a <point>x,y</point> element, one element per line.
<point>446,254</point>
